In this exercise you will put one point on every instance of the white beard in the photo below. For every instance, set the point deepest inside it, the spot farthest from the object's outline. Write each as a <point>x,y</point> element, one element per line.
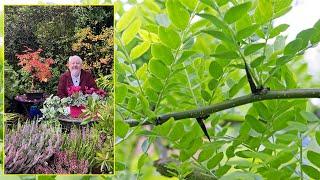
<point>75,73</point>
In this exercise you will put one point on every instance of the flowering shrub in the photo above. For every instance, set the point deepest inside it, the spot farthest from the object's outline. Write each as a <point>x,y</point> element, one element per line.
<point>85,141</point>
<point>68,163</point>
<point>38,67</point>
<point>30,145</point>
<point>97,49</point>
<point>63,163</point>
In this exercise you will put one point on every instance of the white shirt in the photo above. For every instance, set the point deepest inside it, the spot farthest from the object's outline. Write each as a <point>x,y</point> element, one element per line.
<point>76,80</point>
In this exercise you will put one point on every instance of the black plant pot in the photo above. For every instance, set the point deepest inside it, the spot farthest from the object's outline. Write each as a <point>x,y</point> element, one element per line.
<point>34,95</point>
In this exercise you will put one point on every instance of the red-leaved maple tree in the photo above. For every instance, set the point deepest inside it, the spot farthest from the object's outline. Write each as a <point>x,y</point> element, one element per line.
<point>33,63</point>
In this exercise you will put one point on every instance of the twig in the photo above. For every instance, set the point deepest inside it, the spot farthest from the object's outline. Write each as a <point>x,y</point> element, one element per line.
<point>207,110</point>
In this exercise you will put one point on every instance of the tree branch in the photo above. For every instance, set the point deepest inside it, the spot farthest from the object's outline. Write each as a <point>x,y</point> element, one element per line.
<point>207,110</point>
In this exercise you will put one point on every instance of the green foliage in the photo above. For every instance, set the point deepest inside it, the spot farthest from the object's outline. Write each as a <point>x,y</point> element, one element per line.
<point>174,62</point>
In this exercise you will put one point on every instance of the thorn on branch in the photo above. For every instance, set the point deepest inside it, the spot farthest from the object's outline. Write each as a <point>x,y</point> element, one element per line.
<point>203,126</point>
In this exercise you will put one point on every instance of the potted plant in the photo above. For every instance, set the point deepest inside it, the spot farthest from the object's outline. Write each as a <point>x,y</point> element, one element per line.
<point>78,99</point>
<point>38,67</point>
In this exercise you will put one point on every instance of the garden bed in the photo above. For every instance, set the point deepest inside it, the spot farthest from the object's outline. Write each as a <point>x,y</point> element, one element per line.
<point>43,148</point>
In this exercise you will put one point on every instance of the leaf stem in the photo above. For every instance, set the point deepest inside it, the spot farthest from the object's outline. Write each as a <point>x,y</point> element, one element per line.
<point>175,58</point>
<point>300,151</point>
<point>131,66</point>
<point>203,167</point>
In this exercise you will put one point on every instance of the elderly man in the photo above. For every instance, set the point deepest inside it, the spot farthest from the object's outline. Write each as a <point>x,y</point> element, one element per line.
<point>76,76</point>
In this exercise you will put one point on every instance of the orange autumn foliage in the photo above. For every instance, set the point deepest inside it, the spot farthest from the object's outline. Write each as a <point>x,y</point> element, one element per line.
<point>37,66</point>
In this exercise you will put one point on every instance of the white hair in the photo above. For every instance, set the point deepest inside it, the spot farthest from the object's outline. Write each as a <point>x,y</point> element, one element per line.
<point>75,57</point>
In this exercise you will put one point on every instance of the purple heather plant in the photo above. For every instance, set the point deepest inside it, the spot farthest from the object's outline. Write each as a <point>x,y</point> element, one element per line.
<point>63,162</point>
<point>30,145</point>
<point>85,142</point>
<point>68,163</point>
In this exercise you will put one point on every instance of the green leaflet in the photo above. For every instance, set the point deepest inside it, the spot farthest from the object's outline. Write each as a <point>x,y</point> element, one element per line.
<point>292,125</point>
<point>121,129</point>
<point>258,61</point>
<point>263,110</point>
<point>165,128</point>
<point>155,83</point>
<point>281,121</point>
<point>281,158</point>
<point>252,48</point>
<point>281,4</point>
<point>283,60</point>
<point>317,135</point>
<point>230,152</point>
<point>236,12</point>
<point>127,18</point>
<point>205,154</point>
<point>142,160</point>
<point>187,153</point>
<point>216,21</point>
<point>139,50</point>
<point>210,3</point>
<point>120,93</point>
<point>215,160</point>
<point>178,15</point>
<point>131,31</point>
<point>305,35</point>
<point>226,55</point>
<point>293,47</point>
<point>213,83</point>
<point>316,36</point>
<point>223,37</point>
<point>152,5</point>
<point>142,72</point>
<point>163,53</point>
<point>148,36</point>
<point>246,32</point>
<point>223,170</point>
<point>152,94</point>
<point>238,86</point>
<point>264,11</point>
<point>132,102</point>
<point>185,56</point>
<point>186,141</point>
<point>311,171</point>
<point>315,39</point>
<point>277,30</point>
<point>256,124</point>
<point>190,4</point>
<point>169,37</point>
<point>215,70</point>
<point>308,116</point>
<point>241,175</point>
<point>205,95</point>
<point>222,2</point>
<point>177,131</point>
<point>314,158</point>
<point>253,154</point>
<point>158,68</point>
